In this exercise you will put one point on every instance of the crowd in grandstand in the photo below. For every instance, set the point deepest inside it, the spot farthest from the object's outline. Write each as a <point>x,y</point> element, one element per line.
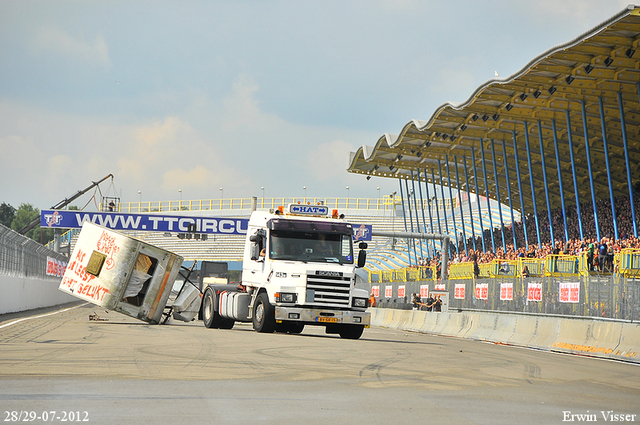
<point>598,251</point>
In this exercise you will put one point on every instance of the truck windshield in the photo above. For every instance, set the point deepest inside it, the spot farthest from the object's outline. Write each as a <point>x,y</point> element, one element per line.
<point>310,246</point>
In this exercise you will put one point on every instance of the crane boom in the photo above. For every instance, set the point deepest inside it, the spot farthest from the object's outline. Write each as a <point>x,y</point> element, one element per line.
<point>64,203</point>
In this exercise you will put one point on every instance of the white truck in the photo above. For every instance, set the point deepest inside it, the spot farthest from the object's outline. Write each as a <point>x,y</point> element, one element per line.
<point>298,269</point>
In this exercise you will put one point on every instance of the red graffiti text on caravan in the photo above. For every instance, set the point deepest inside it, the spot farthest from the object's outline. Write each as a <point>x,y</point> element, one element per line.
<point>107,245</point>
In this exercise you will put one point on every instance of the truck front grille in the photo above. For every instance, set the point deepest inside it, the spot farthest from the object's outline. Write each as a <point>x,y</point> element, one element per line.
<point>328,289</point>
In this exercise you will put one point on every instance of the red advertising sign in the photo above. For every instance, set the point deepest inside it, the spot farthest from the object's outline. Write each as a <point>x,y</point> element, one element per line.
<point>401,291</point>
<point>506,291</point>
<point>440,287</point>
<point>482,291</point>
<point>424,291</point>
<point>375,290</point>
<point>534,292</point>
<point>388,291</point>
<point>569,292</point>
<point>459,291</point>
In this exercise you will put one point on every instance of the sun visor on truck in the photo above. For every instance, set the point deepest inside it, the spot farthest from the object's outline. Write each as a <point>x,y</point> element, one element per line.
<point>310,226</point>
<point>120,273</point>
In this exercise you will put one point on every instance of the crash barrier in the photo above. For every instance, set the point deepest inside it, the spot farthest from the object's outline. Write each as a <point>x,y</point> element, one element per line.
<point>618,340</point>
<point>603,296</point>
<point>22,293</point>
<point>29,274</point>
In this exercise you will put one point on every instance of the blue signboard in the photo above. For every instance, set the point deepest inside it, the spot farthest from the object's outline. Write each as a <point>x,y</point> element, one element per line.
<point>361,232</point>
<point>144,222</point>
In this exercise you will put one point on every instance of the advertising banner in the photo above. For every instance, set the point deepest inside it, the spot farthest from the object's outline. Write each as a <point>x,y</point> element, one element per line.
<point>482,291</point>
<point>424,291</point>
<point>388,291</point>
<point>401,291</point>
<point>534,292</point>
<point>506,291</point>
<point>459,291</point>
<point>569,292</point>
<point>145,222</point>
<point>375,290</point>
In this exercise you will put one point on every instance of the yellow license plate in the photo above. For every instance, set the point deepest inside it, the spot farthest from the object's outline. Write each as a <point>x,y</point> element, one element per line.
<point>328,319</point>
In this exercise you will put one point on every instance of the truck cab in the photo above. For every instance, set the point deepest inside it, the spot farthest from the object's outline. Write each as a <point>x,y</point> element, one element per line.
<point>299,269</point>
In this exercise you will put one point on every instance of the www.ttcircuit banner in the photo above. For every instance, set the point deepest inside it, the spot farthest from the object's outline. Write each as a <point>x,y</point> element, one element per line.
<point>146,222</point>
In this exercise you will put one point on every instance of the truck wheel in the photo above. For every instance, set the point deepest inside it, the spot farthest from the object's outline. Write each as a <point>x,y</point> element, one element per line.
<point>210,316</point>
<point>351,331</point>
<point>295,327</point>
<point>263,314</point>
<point>227,323</point>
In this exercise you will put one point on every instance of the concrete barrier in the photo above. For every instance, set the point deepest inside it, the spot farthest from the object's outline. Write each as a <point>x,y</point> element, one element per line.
<point>20,294</point>
<point>579,335</point>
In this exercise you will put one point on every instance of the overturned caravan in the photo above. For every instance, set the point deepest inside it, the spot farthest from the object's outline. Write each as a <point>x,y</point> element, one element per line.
<point>126,275</point>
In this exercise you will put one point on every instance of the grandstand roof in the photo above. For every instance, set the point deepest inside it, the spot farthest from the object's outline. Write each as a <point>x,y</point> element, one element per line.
<point>593,70</point>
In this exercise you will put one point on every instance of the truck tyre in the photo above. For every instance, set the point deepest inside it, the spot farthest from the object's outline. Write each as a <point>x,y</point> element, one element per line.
<point>351,331</point>
<point>263,314</point>
<point>295,327</point>
<point>227,323</point>
<point>210,316</point>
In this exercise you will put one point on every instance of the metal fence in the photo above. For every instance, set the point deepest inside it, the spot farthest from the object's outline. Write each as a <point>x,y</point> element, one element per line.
<point>24,257</point>
<point>597,295</point>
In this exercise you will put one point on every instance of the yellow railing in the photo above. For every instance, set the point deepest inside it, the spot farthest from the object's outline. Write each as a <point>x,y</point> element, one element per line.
<point>408,274</point>
<point>626,262</point>
<point>384,203</point>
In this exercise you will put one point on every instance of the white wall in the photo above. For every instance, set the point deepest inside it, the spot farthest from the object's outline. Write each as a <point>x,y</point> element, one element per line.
<point>19,294</point>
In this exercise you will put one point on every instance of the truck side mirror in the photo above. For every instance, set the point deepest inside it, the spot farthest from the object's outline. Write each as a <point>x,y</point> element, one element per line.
<point>255,251</point>
<point>362,258</point>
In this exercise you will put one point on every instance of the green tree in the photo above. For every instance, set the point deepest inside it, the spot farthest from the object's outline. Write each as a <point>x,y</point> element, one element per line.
<point>7,214</point>
<point>24,215</point>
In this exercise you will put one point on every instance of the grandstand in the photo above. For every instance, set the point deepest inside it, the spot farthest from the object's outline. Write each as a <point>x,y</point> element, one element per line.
<point>384,214</point>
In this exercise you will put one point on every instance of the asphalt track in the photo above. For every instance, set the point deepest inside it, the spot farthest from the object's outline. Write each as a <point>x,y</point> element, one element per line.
<point>120,370</point>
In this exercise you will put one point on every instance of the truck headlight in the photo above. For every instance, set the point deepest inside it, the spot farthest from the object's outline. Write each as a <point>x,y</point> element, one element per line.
<point>286,297</point>
<point>360,302</point>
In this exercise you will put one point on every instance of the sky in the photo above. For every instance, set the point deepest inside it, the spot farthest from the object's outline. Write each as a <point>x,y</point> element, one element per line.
<point>179,100</point>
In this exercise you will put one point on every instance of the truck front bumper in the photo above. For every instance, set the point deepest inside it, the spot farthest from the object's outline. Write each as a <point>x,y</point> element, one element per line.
<point>322,316</point>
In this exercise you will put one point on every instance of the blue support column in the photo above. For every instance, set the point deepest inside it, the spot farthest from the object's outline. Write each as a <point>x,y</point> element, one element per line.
<point>588,155</point>
<point>575,180</point>
<point>444,204</point>
<point>415,202</point>
<point>495,177</point>
<point>524,223</point>
<point>464,233</point>
<point>426,185</point>
<point>606,161</point>
<point>486,194</point>
<point>433,180</point>
<point>506,173</point>
<point>473,224</point>
<point>533,189</point>
<point>475,180</point>
<point>404,216</point>
<point>546,185</point>
<point>413,241</point>
<point>564,209</point>
<point>626,157</point>
<point>453,209</point>
<point>424,221</point>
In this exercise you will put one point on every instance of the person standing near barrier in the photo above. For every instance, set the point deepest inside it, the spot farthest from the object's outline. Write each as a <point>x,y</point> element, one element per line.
<point>590,254</point>
<point>372,300</point>
<point>430,302</point>
<point>602,254</point>
<point>437,305</point>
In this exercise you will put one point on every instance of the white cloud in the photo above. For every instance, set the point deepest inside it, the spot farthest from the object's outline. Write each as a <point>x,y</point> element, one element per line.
<point>56,40</point>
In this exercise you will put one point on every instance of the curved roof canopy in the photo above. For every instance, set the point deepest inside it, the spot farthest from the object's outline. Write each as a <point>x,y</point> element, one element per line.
<point>538,115</point>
